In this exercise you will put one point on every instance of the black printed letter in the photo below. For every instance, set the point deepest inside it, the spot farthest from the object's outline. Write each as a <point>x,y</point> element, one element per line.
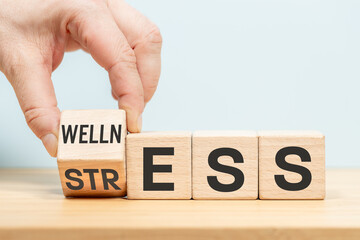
<point>237,173</point>
<point>68,133</point>
<point>107,180</point>
<point>150,168</point>
<point>68,184</point>
<point>91,173</point>
<point>304,172</point>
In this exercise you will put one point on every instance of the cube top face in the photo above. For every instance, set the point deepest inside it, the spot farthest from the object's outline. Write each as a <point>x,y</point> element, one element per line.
<point>291,165</point>
<point>291,133</point>
<point>225,133</point>
<point>92,135</point>
<point>238,151</point>
<point>159,165</point>
<point>161,135</point>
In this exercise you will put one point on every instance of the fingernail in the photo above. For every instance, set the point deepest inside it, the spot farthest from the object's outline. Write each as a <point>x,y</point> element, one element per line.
<point>139,123</point>
<point>50,142</point>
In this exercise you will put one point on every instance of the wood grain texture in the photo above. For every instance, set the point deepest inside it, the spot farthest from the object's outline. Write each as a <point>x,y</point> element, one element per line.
<point>32,207</point>
<point>180,162</point>
<point>98,143</point>
<point>204,143</point>
<point>270,142</point>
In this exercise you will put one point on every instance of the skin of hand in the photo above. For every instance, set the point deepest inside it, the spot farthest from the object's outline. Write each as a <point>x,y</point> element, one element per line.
<point>35,34</point>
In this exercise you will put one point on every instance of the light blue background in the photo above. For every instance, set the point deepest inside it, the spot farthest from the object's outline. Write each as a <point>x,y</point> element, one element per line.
<point>227,65</point>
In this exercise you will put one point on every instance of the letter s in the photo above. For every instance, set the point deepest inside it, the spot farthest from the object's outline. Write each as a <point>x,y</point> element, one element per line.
<point>304,172</point>
<point>237,173</point>
<point>68,184</point>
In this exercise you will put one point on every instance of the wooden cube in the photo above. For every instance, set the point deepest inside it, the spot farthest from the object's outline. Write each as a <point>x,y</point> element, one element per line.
<point>91,153</point>
<point>159,165</point>
<point>225,165</point>
<point>291,165</point>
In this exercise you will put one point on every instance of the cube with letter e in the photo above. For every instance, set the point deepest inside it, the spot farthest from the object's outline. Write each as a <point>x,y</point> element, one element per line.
<point>159,165</point>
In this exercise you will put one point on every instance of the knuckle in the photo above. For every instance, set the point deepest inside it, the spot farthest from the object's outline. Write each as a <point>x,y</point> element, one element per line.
<point>128,55</point>
<point>154,35</point>
<point>86,5</point>
<point>150,41</point>
<point>79,16</point>
<point>41,120</point>
<point>125,60</point>
<point>76,25</point>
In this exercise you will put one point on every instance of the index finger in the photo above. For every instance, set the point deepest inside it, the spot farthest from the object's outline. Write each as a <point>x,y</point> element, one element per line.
<point>97,31</point>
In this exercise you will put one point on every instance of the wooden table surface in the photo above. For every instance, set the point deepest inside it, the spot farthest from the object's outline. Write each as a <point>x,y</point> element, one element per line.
<point>32,206</point>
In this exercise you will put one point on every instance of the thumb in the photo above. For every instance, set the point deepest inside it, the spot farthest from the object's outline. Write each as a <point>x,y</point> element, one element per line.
<point>31,80</point>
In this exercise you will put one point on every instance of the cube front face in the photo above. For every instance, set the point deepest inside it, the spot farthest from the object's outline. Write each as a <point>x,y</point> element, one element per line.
<point>92,178</point>
<point>92,135</point>
<point>159,165</point>
<point>225,165</point>
<point>91,153</point>
<point>291,165</point>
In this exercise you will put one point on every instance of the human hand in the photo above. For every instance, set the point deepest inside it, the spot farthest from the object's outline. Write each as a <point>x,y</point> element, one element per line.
<point>35,34</point>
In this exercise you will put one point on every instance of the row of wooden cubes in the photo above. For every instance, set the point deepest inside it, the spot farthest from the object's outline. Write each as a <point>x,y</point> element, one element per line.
<point>184,165</point>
